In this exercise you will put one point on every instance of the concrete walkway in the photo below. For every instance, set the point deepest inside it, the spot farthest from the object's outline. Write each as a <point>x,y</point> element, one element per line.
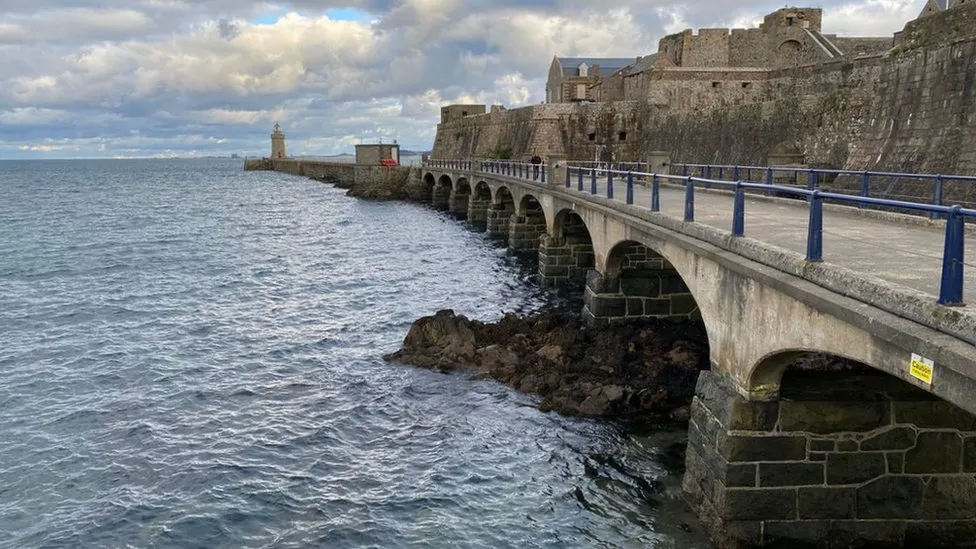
<point>901,253</point>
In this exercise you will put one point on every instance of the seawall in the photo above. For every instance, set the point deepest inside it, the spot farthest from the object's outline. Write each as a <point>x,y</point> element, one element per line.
<point>376,182</point>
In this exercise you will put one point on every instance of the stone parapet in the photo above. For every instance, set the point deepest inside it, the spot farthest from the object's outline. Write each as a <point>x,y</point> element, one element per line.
<point>866,461</point>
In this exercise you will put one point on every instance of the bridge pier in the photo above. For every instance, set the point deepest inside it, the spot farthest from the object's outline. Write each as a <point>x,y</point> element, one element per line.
<point>478,208</point>
<point>457,202</point>
<point>525,231</point>
<point>641,284</point>
<point>498,220</point>
<point>840,460</point>
<point>441,198</point>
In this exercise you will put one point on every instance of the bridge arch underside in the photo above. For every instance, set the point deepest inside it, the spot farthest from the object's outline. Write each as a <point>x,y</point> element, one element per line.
<point>441,193</point>
<point>848,456</point>
<point>500,213</point>
<point>457,202</point>
<point>566,254</point>
<point>479,204</point>
<point>527,226</point>
<point>430,182</point>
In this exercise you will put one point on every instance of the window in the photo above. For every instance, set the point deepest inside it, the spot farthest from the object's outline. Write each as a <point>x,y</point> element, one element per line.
<point>716,84</point>
<point>622,136</point>
<point>591,137</point>
<point>581,91</point>
<point>789,21</point>
<point>746,85</point>
<point>464,113</point>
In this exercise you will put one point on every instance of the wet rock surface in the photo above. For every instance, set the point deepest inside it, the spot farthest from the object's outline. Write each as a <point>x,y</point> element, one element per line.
<point>642,370</point>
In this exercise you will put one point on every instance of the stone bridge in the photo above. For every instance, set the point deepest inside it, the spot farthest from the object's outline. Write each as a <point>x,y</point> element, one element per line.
<point>778,456</point>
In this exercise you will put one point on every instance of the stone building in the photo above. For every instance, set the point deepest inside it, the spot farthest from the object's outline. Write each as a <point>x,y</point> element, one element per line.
<point>373,154</point>
<point>453,112</point>
<point>937,6</point>
<point>278,143</point>
<point>730,66</point>
<point>570,78</point>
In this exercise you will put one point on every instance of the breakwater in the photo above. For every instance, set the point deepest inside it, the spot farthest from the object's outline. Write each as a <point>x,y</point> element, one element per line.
<point>376,182</point>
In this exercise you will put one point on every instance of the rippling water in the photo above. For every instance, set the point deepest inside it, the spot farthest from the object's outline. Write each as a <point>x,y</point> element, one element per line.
<point>190,358</point>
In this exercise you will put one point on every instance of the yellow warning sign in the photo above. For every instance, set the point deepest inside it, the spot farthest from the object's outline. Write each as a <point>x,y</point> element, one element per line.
<point>921,368</point>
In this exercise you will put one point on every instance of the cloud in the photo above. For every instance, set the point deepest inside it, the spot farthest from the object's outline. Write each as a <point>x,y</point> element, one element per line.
<point>151,77</point>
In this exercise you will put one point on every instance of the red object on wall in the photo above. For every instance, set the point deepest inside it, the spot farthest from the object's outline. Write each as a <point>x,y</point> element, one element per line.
<point>389,162</point>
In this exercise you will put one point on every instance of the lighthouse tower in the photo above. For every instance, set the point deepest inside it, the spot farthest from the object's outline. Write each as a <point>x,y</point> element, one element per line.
<point>277,142</point>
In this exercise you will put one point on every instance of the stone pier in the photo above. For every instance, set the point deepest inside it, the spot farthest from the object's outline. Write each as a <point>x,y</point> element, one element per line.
<point>564,262</point>
<point>841,460</point>
<point>499,219</point>
<point>642,285</point>
<point>478,209</point>
<point>441,199</point>
<point>457,202</point>
<point>525,231</point>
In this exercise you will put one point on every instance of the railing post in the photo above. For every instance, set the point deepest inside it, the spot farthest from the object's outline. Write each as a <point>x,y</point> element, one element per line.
<point>815,228</point>
<point>655,193</point>
<point>684,170</point>
<point>689,199</point>
<point>739,211</point>
<point>865,187</point>
<point>721,172</point>
<point>769,181</point>
<point>569,183</point>
<point>735,173</point>
<point>630,187</point>
<point>580,173</point>
<point>593,181</point>
<point>610,185</point>
<point>543,173</point>
<point>950,291</point>
<point>937,190</point>
<point>812,180</point>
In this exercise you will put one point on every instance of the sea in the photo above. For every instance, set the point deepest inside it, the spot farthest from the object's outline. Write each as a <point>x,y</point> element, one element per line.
<point>190,357</point>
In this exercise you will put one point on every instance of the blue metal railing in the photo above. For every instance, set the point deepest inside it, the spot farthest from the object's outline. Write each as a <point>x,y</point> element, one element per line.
<point>814,178</point>
<point>467,165</point>
<point>587,179</point>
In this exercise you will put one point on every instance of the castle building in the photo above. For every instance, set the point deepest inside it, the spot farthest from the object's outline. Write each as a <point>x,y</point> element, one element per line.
<point>278,143</point>
<point>570,78</point>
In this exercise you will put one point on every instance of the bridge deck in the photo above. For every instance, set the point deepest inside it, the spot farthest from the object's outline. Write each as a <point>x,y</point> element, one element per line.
<point>901,253</point>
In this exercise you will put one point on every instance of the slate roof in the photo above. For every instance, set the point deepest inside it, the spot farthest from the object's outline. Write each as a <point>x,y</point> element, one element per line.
<point>608,65</point>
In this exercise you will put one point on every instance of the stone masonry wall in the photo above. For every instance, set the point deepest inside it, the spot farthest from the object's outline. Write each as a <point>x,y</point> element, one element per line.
<point>842,461</point>
<point>910,110</point>
<point>644,286</point>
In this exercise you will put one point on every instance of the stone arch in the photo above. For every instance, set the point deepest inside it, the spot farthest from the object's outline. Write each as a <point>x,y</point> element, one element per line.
<point>441,196</point>
<point>500,213</point>
<point>789,51</point>
<point>429,183</point>
<point>479,203</point>
<point>528,225</point>
<point>566,254</point>
<point>637,282</point>
<point>458,200</point>
<point>767,375</point>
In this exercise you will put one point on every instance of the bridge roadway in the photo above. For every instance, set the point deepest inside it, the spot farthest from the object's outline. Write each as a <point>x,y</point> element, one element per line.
<point>900,249</point>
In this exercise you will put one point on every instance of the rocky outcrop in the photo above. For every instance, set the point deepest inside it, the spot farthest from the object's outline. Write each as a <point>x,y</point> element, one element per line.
<point>641,370</point>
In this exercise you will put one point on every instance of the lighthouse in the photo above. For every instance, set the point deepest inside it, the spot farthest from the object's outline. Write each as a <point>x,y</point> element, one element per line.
<point>277,142</point>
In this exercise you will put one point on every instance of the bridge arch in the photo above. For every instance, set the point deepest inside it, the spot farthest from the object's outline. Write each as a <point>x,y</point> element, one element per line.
<point>441,196</point>
<point>479,203</point>
<point>528,225</point>
<point>460,195</point>
<point>638,282</point>
<point>566,255</point>
<point>500,213</point>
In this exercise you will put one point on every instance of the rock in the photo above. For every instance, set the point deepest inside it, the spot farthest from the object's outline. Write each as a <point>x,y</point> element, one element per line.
<point>551,352</point>
<point>640,370</point>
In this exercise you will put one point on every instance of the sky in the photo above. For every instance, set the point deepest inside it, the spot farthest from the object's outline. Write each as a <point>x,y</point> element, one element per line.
<point>165,78</point>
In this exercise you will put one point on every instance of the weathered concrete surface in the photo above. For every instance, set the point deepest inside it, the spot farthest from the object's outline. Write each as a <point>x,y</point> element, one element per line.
<point>760,301</point>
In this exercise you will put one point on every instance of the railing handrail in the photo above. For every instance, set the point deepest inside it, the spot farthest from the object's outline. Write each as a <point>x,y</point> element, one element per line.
<point>807,170</point>
<point>951,285</point>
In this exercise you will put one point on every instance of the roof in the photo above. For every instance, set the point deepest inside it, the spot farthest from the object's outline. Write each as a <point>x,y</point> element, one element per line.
<point>647,62</point>
<point>608,65</point>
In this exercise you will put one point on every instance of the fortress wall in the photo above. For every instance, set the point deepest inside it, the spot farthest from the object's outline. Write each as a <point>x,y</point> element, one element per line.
<point>913,110</point>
